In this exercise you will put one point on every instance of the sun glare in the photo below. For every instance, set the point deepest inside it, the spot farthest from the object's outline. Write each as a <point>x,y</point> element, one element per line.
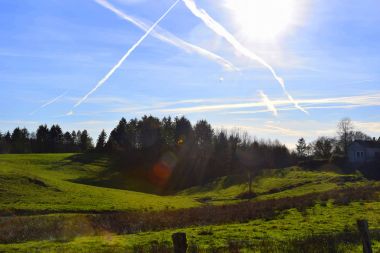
<point>263,19</point>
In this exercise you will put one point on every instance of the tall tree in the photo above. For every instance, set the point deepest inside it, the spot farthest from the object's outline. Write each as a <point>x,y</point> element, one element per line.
<point>56,138</point>
<point>20,140</point>
<point>345,128</point>
<point>221,152</point>
<point>168,132</point>
<point>7,142</point>
<point>203,134</point>
<point>119,140</point>
<point>42,138</point>
<point>322,147</point>
<point>251,161</point>
<point>101,142</point>
<point>301,148</point>
<point>68,142</point>
<point>149,133</point>
<point>85,141</point>
<point>183,131</point>
<point>360,136</point>
<point>2,144</point>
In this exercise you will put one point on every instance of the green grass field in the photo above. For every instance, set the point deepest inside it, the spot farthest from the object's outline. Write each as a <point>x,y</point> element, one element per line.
<point>290,224</point>
<point>50,184</point>
<point>46,183</point>
<point>273,184</point>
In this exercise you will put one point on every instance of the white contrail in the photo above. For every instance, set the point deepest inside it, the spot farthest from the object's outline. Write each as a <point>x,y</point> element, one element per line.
<point>268,103</point>
<point>221,31</point>
<point>52,101</point>
<point>114,68</point>
<point>169,38</point>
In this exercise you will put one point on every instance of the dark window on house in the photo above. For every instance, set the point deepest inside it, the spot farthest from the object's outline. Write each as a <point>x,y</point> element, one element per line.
<point>359,154</point>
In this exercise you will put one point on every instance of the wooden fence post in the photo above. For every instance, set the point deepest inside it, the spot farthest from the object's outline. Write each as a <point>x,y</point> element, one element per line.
<point>179,242</point>
<point>364,234</point>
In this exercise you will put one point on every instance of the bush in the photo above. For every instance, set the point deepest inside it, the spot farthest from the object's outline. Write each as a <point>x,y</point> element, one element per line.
<point>338,160</point>
<point>313,164</point>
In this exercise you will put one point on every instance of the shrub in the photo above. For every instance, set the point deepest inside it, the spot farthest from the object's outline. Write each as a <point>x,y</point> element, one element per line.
<point>313,164</point>
<point>338,160</point>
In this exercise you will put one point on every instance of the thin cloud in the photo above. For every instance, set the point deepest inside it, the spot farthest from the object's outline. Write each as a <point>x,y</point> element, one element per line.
<point>169,38</point>
<point>221,31</point>
<point>269,103</point>
<point>372,127</point>
<point>114,68</point>
<point>283,105</point>
<point>52,101</point>
<point>235,105</point>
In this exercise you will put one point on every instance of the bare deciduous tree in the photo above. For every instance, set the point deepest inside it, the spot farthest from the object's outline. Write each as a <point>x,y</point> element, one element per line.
<point>345,129</point>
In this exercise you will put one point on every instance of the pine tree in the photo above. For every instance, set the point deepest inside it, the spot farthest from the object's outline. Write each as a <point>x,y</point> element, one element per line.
<point>301,148</point>
<point>100,144</point>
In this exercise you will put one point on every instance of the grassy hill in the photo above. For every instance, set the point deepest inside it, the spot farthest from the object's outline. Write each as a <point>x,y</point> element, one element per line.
<point>61,206</point>
<point>47,183</point>
<point>326,219</point>
<point>280,183</point>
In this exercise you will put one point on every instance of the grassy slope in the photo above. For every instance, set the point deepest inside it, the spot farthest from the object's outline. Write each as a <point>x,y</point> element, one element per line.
<point>289,224</point>
<point>273,184</point>
<point>20,177</point>
<point>52,183</point>
<point>45,183</point>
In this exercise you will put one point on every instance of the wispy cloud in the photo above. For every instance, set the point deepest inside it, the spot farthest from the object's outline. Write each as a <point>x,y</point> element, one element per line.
<point>52,101</point>
<point>221,31</point>
<point>371,127</point>
<point>18,122</point>
<point>114,68</point>
<point>169,38</point>
<point>283,105</point>
<point>269,103</point>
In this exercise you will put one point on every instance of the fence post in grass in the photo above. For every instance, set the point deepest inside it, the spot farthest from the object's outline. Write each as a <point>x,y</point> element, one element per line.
<point>179,242</point>
<point>364,234</point>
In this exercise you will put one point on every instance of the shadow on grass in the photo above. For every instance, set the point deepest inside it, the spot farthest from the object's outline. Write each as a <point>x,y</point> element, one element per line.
<point>113,174</point>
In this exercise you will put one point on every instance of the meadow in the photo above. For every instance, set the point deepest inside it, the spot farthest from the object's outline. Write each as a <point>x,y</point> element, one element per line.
<point>50,203</point>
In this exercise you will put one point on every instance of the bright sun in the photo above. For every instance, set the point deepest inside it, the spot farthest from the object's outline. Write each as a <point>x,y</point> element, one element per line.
<point>263,19</point>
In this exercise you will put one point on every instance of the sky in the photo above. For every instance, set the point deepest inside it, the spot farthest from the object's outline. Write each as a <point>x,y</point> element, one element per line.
<point>53,53</point>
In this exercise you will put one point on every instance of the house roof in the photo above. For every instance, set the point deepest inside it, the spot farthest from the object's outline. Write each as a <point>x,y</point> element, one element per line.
<point>369,144</point>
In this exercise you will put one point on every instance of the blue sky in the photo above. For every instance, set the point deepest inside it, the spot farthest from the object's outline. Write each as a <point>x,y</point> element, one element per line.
<point>53,52</point>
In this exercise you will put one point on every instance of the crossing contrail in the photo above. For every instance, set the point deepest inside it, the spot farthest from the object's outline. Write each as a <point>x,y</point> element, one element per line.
<point>52,101</point>
<point>169,38</point>
<point>221,31</point>
<point>268,103</point>
<point>114,68</point>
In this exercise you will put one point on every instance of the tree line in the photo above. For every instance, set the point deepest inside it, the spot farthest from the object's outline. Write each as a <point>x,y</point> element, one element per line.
<point>325,147</point>
<point>45,140</point>
<point>181,154</point>
<point>173,152</point>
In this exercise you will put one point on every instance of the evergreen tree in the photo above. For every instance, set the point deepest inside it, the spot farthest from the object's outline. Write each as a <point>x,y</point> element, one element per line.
<point>56,139</point>
<point>168,132</point>
<point>85,141</point>
<point>183,132</point>
<point>20,141</point>
<point>301,148</point>
<point>101,143</point>
<point>42,135</point>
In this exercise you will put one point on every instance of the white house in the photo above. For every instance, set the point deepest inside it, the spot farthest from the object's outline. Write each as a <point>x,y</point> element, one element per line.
<point>363,151</point>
